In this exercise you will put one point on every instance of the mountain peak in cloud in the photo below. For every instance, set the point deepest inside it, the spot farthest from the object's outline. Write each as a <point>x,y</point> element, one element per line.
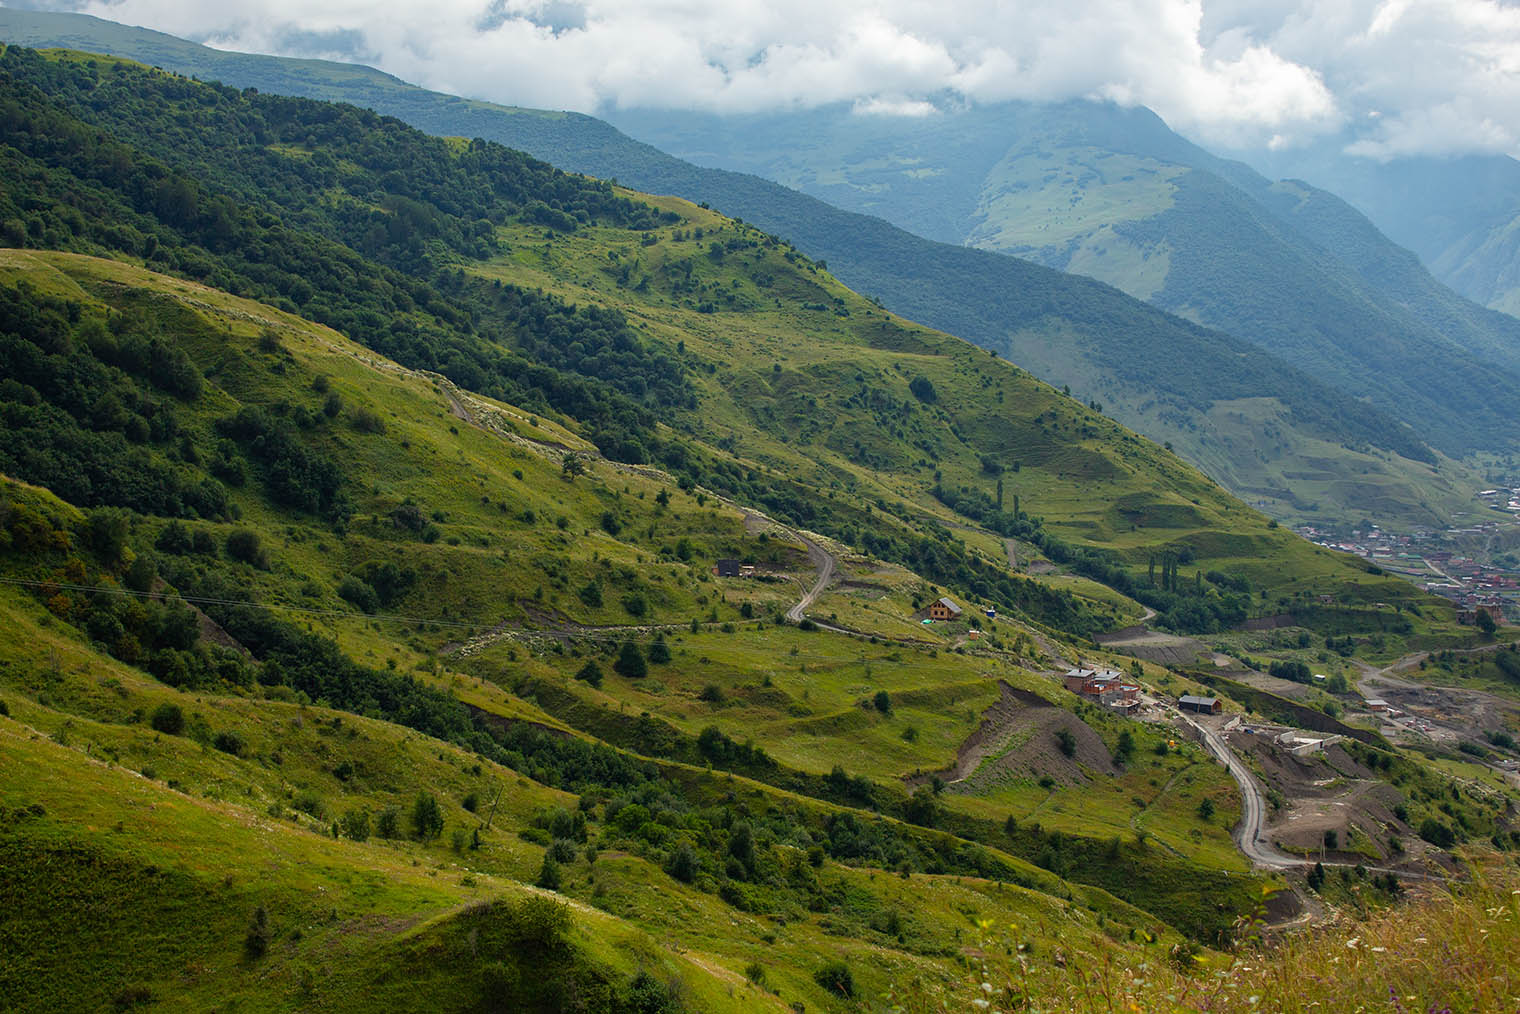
<point>1240,74</point>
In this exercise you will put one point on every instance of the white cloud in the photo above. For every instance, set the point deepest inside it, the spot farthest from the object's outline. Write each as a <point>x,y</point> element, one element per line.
<point>1444,74</point>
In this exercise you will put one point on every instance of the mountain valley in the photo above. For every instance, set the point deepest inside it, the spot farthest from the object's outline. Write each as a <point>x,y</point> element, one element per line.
<point>436,580</point>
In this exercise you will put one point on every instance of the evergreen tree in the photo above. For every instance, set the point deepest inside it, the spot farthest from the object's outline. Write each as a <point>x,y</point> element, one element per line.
<point>630,662</point>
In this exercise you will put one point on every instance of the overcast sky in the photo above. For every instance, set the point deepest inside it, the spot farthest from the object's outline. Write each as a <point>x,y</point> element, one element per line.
<point>1392,76</point>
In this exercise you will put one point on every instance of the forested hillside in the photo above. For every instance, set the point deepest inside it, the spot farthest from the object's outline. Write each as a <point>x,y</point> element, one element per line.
<point>362,502</point>
<point>1271,433</point>
<point>1113,193</point>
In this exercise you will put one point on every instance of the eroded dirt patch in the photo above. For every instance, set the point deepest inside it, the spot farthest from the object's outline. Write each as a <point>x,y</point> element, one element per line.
<point>1019,738</point>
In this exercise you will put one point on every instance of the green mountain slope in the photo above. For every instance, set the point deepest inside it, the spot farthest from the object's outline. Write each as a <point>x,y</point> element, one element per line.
<point>1113,193</point>
<point>1324,455</point>
<point>379,664</point>
<point>287,736</point>
<point>1457,213</point>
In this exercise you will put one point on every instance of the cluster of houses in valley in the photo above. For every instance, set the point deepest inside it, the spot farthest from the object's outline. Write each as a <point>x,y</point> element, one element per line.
<point>1431,560</point>
<point>1109,687</point>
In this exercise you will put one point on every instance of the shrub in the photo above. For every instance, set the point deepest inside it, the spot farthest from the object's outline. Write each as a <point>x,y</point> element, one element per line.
<point>591,594</point>
<point>245,546</point>
<point>229,741</point>
<point>682,863</point>
<point>883,702</point>
<point>256,941</point>
<point>712,694</point>
<point>590,673</point>
<point>168,719</point>
<point>105,531</point>
<point>659,651</point>
<point>355,825</point>
<point>1067,742</point>
<point>471,802</point>
<point>366,421</point>
<point>635,604</point>
<point>1437,833</point>
<point>357,593</point>
<point>309,803</point>
<point>175,539</point>
<point>388,823</point>
<point>835,977</point>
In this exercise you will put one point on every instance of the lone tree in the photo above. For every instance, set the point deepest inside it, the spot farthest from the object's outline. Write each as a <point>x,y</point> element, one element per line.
<point>427,818</point>
<point>548,874</point>
<point>630,662</point>
<point>590,673</point>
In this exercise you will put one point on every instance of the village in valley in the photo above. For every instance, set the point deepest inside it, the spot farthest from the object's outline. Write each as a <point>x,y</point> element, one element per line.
<point>1476,565</point>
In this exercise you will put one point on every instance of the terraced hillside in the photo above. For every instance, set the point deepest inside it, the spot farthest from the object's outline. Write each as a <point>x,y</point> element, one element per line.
<point>380,660</point>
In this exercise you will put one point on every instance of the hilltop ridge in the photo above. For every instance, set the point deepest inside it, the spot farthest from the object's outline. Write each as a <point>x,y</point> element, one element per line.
<point>362,506</point>
<point>1273,434</point>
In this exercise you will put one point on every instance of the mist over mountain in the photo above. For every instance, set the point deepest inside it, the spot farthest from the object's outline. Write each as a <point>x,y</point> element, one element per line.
<point>1272,433</point>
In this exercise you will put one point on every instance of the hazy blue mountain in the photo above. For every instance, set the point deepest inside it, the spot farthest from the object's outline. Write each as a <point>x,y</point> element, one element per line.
<point>1274,433</point>
<point>1460,214</point>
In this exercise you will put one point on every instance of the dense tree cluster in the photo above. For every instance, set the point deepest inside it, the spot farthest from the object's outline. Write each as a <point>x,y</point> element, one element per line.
<point>90,408</point>
<point>348,218</point>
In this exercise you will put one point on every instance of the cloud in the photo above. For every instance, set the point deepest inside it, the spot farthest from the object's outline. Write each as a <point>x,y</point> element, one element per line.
<point>1443,74</point>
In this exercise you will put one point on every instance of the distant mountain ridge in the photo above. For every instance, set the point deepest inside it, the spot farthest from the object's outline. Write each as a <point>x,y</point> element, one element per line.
<point>1459,213</point>
<point>1114,194</point>
<point>1271,432</point>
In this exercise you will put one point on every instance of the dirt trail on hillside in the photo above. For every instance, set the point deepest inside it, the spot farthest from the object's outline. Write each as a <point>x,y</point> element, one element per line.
<point>825,564</point>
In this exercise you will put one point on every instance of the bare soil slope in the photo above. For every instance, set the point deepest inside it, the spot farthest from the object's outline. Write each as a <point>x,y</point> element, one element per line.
<point>1019,738</point>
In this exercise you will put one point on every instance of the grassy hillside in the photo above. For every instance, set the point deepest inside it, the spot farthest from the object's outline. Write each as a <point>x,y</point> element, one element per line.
<point>1157,375</point>
<point>667,333</point>
<point>379,663</point>
<point>1113,193</point>
<point>219,727</point>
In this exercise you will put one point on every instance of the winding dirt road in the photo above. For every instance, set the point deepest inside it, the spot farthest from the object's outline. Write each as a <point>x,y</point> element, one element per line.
<point>1253,820</point>
<point>1249,834</point>
<point>825,564</point>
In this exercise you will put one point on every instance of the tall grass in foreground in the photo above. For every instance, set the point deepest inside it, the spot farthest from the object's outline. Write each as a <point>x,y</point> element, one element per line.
<point>1450,950</point>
